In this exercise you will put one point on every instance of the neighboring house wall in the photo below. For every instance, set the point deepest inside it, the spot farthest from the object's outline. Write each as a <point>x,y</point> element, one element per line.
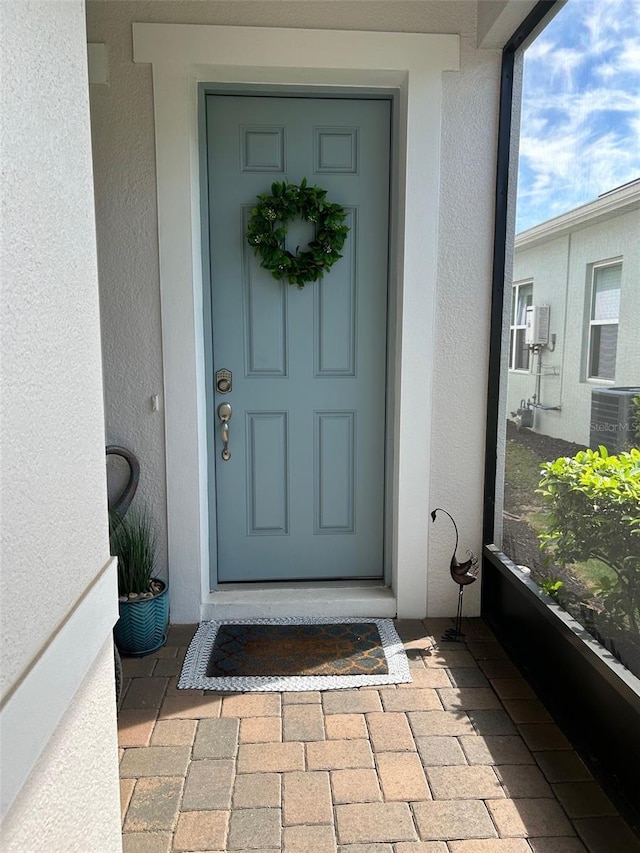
<point>560,267</point>
<point>58,589</point>
<point>124,165</point>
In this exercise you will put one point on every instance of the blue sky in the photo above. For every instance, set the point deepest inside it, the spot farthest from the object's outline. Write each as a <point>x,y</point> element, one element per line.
<point>580,133</point>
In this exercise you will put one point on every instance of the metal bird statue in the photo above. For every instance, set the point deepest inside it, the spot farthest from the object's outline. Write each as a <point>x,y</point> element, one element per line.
<point>462,573</point>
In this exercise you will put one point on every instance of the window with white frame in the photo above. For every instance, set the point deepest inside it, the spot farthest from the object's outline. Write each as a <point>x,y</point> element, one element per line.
<point>603,320</point>
<point>521,299</point>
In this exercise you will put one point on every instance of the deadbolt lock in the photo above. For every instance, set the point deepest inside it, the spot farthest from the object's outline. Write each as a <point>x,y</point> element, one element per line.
<point>223,381</point>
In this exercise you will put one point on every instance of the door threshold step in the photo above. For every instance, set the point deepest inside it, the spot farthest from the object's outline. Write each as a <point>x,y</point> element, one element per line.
<point>338,599</point>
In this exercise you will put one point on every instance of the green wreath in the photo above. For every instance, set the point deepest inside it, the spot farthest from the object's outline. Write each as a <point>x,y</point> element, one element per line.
<point>267,230</point>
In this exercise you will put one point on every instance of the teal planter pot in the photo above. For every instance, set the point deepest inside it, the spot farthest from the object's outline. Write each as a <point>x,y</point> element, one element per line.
<point>142,626</point>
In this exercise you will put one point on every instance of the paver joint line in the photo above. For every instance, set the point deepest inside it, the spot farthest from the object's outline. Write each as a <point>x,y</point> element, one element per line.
<point>465,759</point>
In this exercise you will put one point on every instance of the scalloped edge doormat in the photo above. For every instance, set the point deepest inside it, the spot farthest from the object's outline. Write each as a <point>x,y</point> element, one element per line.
<point>293,654</point>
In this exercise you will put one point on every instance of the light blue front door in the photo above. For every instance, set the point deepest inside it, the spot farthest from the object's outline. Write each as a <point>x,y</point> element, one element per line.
<point>301,496</point>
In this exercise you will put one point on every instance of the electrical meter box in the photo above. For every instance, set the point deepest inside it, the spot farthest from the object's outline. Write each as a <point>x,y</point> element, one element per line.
<point>537,325</point>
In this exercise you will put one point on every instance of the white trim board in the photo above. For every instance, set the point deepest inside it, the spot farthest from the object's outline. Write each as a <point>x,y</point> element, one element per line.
<point>618,202</point>
<point>34,710</point>
<point>183,55</point>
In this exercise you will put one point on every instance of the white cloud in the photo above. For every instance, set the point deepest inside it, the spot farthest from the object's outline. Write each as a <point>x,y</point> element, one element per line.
<point>569,170</point>
<point>580,129</point>
<point>602,25</point>
<point>540,49</point>
<point>606,70</point>
<point>571,109</point>
<point>630,56</point>
<point>558,62</point>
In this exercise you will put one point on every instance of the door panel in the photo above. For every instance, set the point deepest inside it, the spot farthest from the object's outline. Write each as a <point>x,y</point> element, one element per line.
<point>302,495</point>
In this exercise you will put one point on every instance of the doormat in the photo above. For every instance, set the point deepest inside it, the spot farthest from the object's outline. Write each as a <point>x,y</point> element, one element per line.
<point>253,655</point>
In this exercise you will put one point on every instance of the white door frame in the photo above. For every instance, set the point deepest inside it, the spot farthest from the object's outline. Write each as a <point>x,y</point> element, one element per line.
<point>184,55</point>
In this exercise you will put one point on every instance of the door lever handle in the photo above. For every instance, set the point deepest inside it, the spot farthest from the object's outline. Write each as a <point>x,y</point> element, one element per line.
<point>224,414</point>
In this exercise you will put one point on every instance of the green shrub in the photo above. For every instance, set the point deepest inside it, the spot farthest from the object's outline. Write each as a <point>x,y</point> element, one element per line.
<point>594,512</point>
<point>635,417</point>
<point>552,587</point>
<point>133,542</point>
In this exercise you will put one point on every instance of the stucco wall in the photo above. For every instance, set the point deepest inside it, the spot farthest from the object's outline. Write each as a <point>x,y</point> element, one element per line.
<point>54,529</point>
<point>122,119</point>
<point>70,802</point>
<point>55,550</point>
<point>560,272</point>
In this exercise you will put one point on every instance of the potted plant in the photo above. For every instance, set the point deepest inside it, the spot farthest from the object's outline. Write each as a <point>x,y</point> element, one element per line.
<point>143,599</point>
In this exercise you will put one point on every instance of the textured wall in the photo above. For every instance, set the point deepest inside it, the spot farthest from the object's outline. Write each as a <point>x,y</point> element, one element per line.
<point>123,136</point>
<point>70,801</point>
<point>560,272</point>
<point>54,525</point>
<point>469,142</point>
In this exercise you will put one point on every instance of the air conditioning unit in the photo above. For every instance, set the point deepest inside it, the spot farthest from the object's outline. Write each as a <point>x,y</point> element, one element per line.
<point>537,325</point>
<point>613,418</point>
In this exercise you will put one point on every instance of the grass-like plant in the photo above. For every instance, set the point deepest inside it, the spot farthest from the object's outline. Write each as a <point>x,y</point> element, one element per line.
<point>133,542</point>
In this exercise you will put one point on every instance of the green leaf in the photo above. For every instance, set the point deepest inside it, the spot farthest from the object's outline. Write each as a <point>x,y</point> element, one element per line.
<point>268,224</point>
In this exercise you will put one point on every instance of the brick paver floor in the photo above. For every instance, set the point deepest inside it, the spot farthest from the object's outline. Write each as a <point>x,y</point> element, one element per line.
<point>463,760</point>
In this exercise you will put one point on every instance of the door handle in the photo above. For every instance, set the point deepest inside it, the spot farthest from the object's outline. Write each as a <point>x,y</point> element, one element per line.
<point>224,414</point>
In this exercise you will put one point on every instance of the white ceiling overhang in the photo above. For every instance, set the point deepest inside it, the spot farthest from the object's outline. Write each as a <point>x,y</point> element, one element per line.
<point>499,19</point>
